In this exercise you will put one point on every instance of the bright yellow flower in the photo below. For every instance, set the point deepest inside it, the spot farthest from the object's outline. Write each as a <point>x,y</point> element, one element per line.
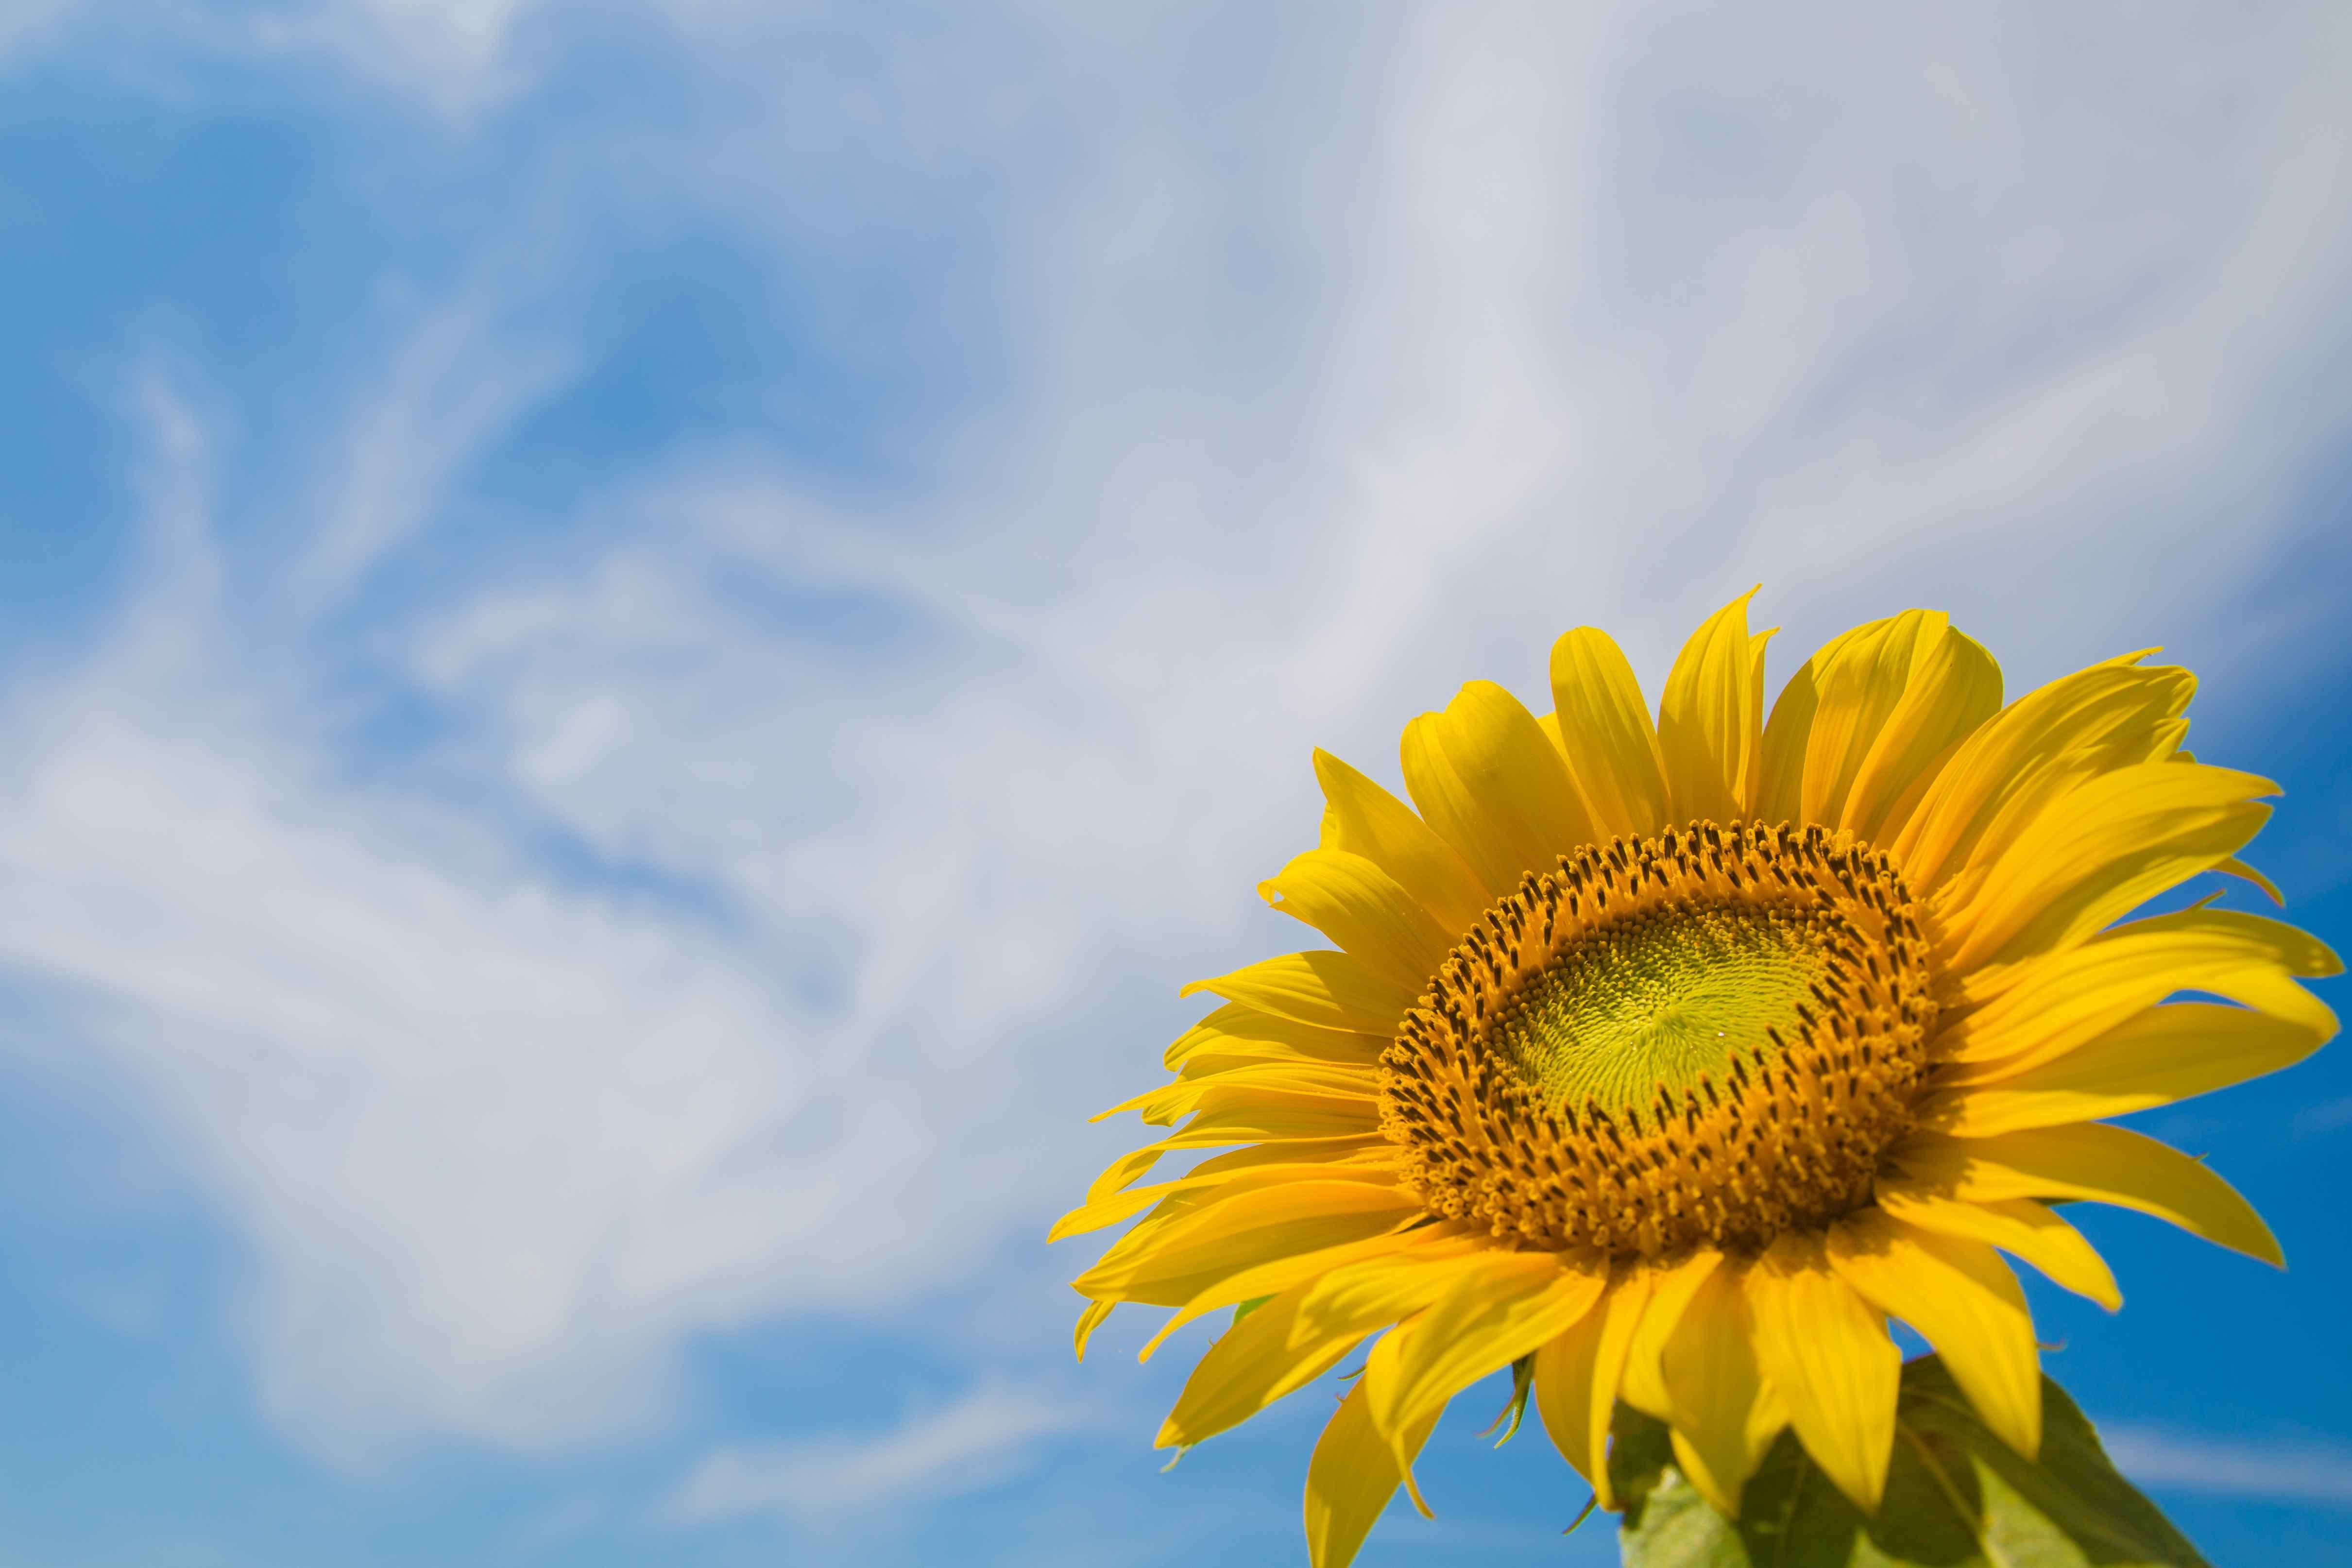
<point>1681,1057</point>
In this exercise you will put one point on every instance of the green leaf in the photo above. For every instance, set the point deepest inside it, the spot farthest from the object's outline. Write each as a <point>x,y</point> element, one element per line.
<point>1243,1309</point>
<point>1957,1497</point>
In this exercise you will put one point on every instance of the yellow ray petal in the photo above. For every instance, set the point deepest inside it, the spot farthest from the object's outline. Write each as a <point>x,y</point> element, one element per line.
<point>2102,850</point>
<point>1168,1266</point>
<point>1135,1200</point>
<point>1671,1288</point>
<point>1088,1321</point>
<point>2058,1001</point>
<point>1341,1152</point>
<point>1780,772</point>
<point>1751,781</point>
<point>1240,1082</point>
<point>2233,867</point>
<point>1724,1414</point>
<point>1301,1333</point>
<point>1709,725</point>
<point>1348,1096</point>
<point>1330,990</point>
<point>1952,687</point>
<point>1488,1319</point>
<point>1491,784</point>
<point>1605,731</point>
<point>1962,1297</point>
<point>1124,1172</point>
<point>1857,691</point>
<point>1421,1244</point>
<point>1365,911</point>
<point>1244,1033</point>
<point>2165,1054</point>
<point>2018,1226</point>
<point>2104,1165</point>
<point>2036,749</point>
<point>1577,1374</point>
<point>1827,1353</point>
<point>1187,1202</point>
<point>1350,1479</point>
<point>1362,819</point>
<point>1331,1140</point>
<point>1364,1148</point>
<point>1267,1115</point>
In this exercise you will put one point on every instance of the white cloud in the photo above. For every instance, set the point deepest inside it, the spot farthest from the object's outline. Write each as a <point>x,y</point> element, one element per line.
<point>2327,1116</point>
<point>782,874</point>
<point>455,59</point>
<point>988,1436</point>
<point>2288,1472</point>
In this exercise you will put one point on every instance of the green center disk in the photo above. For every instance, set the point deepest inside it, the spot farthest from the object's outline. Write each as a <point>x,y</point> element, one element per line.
<point>1657,1002</point>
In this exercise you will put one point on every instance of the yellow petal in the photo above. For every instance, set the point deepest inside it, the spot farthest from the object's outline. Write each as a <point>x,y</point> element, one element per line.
<point>1208,1084</point>
<point>2018,1226</point>
<point>1605,729</point>
<point>1362,819</point>
<point>1952,685</point>
<point>1488,1319</point>
<point>1827,1353</point>
<point>2104,1165</point>
<point>1710,727</point>
<point>1751,781</point>
<point>1330,990</point>
<point>2233,867</point>
<point>1855,690</point>
<point>1237,1033</point>
<point>1964,1300</point>
<point>1359,1145</point>
<point>1671,1289</point>
<point>1306,1328</point>
<point>2164,1054</point>
<point>2033,752</point>
<point>1780,771</point>
<point>1724,1414</point>
<point>1349,1096</point>
<point>1491,784</point>
<point>1407,1249</point>
<point>1169,1265</point>
<point>1181,1201</point>
<point>2103,849</point>
<point>2058,1001</point>
<point>1888,701</point>
<point>1135,1200</point>
<point>1577,1374</point>
<point>1088,1321</point>
<point>1342,1153</point>
<point>1365,911</point>
<point>1124,1172</point>
<point>1350,1479</point>
<point>1266,1116</point>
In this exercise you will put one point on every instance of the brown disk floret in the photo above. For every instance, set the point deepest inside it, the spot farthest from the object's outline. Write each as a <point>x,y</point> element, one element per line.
<point>1782,1133</point>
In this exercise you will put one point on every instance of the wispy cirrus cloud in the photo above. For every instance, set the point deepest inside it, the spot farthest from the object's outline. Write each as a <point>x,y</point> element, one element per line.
<point>2286,1471</point>
<point>980,1440</point>
<point>716,908</point>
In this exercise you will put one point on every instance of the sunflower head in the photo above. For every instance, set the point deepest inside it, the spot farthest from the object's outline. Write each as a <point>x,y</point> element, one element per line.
<point>1674,1056</point>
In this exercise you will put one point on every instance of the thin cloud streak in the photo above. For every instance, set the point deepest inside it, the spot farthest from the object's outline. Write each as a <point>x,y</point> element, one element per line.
<point>2289,1473</point>
<point>781,872</point>
<point>983,1441</point>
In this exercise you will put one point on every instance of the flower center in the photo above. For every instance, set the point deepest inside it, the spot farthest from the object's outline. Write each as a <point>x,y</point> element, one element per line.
<point>1709,1036</point>
<point>1661,1001</point>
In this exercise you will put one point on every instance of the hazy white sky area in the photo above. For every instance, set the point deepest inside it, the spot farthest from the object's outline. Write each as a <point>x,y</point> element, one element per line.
<point>549,932</point>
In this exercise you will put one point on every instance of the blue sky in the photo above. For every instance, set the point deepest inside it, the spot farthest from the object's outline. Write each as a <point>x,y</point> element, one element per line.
<point>642,640</point>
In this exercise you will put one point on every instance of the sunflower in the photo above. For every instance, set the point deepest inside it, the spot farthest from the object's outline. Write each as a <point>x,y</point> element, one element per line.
<point>1667,1062</point>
